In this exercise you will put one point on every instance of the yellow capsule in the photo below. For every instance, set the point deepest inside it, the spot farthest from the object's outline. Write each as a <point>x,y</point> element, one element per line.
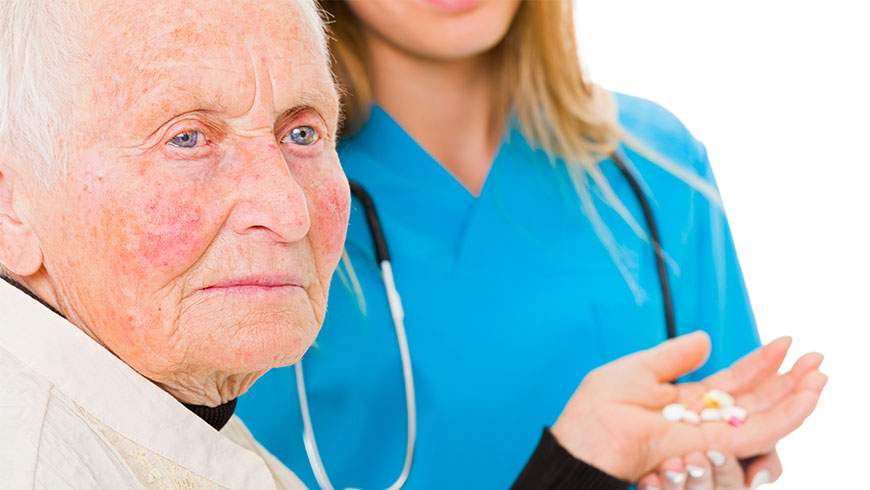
<point>709,401</point>
<point>717,399</point>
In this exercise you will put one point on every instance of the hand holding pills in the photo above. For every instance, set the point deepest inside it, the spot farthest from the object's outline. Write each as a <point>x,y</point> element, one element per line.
<point>615,419</point>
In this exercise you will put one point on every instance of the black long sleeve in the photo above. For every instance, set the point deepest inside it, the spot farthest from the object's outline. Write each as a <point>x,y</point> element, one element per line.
<point>551,467</point>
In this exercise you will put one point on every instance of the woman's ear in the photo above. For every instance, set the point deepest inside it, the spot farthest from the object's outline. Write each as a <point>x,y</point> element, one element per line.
<point>20,250</point>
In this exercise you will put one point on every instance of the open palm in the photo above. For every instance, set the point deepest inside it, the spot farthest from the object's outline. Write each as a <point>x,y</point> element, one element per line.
<point>614,419</point>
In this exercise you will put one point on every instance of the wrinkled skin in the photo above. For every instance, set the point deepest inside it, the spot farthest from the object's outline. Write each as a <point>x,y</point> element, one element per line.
<point>200,265</point>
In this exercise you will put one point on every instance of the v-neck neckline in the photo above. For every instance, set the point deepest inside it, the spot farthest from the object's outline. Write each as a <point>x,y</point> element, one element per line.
<point>405,156</point>
<point>420,194</point>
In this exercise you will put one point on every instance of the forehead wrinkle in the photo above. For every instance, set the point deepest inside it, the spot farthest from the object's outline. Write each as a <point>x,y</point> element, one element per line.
<point>317,90</point>
<point>201,98</point>
<point>184,34</point>
<point>263,95</point>
<point>213,77</point>
<point>323,97</point>
<point>154,73</point>
<point>168,101</point>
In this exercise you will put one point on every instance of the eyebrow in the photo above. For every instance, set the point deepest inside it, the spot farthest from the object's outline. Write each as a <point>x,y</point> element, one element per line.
<point>319,100</point>
<point>182,100</point>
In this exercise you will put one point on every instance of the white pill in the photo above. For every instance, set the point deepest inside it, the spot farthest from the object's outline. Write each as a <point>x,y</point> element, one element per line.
<point>736,412</point>
<point>674,412</point>
<point>691,417</point>
<point>711,415</point>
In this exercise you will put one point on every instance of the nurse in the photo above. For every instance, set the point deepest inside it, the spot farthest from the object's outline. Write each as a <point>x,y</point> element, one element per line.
<point>518,247</point>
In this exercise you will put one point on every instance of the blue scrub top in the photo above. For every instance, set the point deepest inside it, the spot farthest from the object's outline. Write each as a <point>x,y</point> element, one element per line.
<point>510,299</point>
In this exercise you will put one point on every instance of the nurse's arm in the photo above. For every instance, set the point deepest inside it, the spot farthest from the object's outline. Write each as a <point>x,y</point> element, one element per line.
<point>613,422</point>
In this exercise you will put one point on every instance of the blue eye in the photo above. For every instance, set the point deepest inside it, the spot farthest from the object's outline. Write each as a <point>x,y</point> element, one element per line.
<point>302,135</point>
<point>187,139</point>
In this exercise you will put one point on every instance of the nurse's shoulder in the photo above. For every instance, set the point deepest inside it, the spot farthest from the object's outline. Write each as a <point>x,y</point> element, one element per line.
<point>660,130</point>
<point>364,149</point>
<point>354,155</point>
<point>675,172</point>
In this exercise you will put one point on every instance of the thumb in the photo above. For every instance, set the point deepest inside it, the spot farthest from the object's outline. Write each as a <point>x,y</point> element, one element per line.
<point>676,357</point>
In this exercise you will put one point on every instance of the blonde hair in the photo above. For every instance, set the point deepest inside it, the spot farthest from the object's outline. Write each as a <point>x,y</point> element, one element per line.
<point>543,84</point>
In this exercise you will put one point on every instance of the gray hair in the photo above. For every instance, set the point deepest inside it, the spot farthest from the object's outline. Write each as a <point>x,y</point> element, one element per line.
<point>35,47</point>
<point>316,17</point>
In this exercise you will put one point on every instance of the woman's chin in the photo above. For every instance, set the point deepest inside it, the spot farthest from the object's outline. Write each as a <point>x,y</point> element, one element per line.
<point>270,346</point>
<point>250,338</point>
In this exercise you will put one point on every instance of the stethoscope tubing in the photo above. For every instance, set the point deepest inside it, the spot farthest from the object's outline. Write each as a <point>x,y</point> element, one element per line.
<point>382,257</point>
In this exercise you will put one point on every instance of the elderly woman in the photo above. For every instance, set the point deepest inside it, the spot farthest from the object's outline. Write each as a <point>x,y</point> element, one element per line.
<point>171,213</point>
<point>169,187</point>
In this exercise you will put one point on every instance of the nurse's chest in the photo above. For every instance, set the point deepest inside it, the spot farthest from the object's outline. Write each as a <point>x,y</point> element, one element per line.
<point>508,291</point>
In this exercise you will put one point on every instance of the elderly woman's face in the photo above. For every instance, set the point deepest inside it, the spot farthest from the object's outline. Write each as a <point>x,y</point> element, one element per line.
<point>204,210</point>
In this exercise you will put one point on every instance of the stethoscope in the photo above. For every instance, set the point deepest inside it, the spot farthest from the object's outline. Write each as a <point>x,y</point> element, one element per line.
<point>382,255</point>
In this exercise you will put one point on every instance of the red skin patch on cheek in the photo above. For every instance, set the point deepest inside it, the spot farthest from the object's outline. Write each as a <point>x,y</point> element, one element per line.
<point>335,208</point>
<point>170,233</point>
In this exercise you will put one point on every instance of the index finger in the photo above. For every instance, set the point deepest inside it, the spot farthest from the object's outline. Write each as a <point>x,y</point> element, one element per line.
<point>762,430</point>
<point>752,368</point>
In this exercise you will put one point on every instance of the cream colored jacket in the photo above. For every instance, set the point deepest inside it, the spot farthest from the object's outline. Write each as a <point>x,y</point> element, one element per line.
<point>72,415</point>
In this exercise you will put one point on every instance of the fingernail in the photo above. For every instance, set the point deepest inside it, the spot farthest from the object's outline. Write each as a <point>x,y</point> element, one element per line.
<point>695,471</point>
<point>675,477</point>
<point>650,487</point>
<point>760,479</point>
<point>717,458</point>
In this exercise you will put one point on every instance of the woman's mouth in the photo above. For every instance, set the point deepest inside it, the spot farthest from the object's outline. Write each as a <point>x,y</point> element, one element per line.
<point>453,6</point>
<point>253,284</point>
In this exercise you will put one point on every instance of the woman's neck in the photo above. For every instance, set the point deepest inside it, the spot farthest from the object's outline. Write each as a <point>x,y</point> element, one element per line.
<point>448,107</point>
<point>205,389</point>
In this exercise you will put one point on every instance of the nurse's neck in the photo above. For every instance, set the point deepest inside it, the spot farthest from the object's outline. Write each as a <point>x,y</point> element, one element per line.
<point>448,107</point>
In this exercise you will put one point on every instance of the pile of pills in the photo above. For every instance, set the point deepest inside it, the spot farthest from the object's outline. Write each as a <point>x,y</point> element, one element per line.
<point>718,407</point>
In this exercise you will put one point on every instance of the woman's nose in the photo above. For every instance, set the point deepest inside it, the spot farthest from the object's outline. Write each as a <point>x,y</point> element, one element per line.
<point>271,200</point>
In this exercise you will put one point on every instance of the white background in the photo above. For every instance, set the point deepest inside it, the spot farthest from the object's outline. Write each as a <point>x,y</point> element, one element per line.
<point>778,91</point>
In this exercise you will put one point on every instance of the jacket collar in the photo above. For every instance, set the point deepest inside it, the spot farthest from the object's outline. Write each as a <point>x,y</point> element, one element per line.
<point>118,396</point>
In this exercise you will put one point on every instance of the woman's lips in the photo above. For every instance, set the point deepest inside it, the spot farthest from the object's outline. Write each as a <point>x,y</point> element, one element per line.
<point>452,6</point>
<point>254,284</point>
